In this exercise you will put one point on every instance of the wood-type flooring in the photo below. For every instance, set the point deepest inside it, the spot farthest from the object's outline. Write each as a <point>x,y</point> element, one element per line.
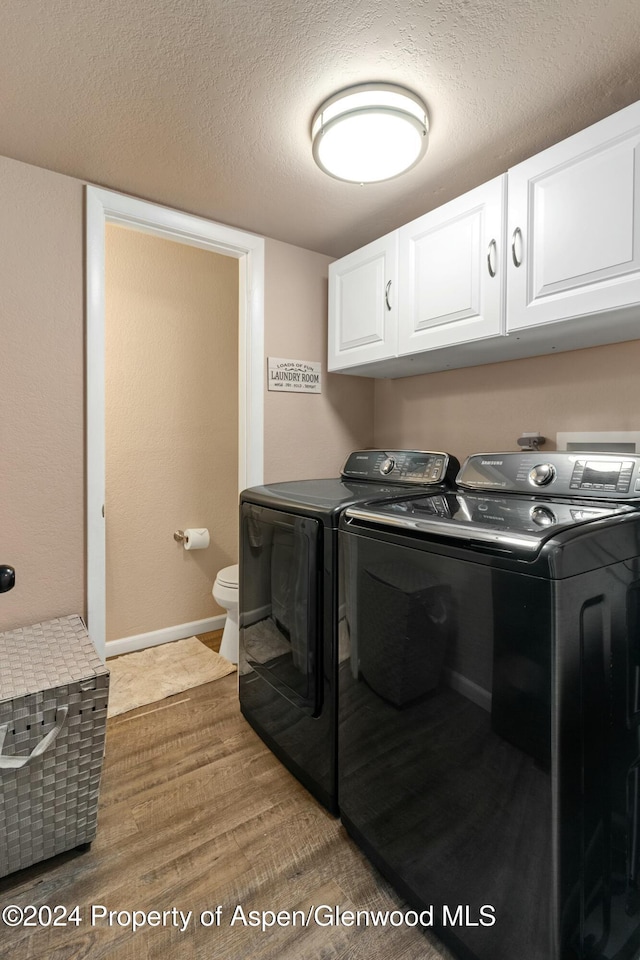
<point>196,814</point>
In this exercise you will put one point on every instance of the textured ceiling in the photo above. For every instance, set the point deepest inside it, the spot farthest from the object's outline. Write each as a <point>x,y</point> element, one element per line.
<point>205,105</point>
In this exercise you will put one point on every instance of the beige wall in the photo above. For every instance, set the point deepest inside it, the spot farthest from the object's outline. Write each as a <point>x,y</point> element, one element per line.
<point>484,409</point>
<point>171,428</point>
<point>41,391</point>
<point>42,388</point>
<point>42,479</point>
<point>307,435</point>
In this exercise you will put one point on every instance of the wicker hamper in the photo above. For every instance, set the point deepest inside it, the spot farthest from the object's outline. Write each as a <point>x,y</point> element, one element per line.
<point>53,713</point>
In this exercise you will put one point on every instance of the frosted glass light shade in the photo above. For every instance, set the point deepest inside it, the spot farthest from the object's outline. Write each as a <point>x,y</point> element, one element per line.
<point>370,132</point>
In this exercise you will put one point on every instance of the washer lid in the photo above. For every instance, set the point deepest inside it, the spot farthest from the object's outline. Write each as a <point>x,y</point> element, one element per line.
<point>517,524</point>
<point>228,576</point>
<point>324,499</point>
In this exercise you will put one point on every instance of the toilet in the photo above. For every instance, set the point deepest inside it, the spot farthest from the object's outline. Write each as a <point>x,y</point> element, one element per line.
<point>225,593</point>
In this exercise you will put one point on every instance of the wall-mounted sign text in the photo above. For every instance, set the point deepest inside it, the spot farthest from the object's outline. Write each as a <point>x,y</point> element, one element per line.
<point>294,376</point>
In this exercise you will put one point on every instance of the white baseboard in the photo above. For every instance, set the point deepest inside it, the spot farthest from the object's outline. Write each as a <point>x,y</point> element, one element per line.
<point>141,640</point>
<point>254,616</point>
<point>468,689</point>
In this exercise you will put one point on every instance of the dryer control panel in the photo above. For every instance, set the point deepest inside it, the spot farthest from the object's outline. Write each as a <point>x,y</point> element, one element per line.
<point>424,467</point>
<point>595,476</point>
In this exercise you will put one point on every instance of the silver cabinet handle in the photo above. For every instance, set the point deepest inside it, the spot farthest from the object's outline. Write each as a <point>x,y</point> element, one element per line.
<point>517,233</point>
<point>386,295</point>
<point>491,257</point>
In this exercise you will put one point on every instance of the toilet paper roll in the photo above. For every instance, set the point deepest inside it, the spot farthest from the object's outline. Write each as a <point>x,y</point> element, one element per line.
<point>196,539</point>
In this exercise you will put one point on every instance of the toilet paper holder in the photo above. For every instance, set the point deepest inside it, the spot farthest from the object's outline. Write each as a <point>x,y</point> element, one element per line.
<point>194,538</point>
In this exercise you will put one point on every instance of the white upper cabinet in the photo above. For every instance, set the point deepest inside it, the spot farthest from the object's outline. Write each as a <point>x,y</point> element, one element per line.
<point>544,258</point>
<point>574,226</point>
<point>452,272</point>
<point>363,305</point>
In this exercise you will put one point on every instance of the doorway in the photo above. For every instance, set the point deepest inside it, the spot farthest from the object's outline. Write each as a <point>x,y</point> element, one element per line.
<point>105,207</point>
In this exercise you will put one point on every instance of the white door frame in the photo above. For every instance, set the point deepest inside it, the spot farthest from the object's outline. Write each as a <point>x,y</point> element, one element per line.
<point>104,206</point>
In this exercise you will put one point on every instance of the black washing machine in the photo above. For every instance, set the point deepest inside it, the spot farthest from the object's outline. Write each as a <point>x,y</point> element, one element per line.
<point>489,721</point>
<point>289,642</point>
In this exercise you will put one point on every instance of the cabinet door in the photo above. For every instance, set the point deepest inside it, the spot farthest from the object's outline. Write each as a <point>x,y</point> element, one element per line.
<point>574,225</point>
<point>452,272</point>
<point>363,304</point>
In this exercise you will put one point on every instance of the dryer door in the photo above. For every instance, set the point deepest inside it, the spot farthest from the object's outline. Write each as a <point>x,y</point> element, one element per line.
<point>279,614</point>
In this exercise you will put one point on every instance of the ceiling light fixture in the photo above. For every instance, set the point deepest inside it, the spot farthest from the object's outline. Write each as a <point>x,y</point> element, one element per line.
<point>370,132</point>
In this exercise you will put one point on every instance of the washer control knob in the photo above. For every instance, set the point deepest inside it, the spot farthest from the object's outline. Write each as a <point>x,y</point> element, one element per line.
<point>543,516</point>
<point>387,466</point>
<point>542,474</point>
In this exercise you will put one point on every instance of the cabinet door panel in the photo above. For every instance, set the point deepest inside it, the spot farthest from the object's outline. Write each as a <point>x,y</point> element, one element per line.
<point>362,304</point>
<point>590,203</point>
<point>446,264</point>
<point>578,207</point>
<point>449,295</point>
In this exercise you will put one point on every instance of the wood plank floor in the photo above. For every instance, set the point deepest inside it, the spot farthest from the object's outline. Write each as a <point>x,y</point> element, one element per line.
<point>211,640</point>
<point>195,814</point>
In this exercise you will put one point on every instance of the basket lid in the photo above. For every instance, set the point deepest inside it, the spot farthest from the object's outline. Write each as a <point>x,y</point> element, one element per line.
<point>46,655</point>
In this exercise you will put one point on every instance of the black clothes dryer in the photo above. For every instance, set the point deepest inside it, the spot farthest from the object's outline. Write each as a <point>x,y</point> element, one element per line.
<point>489,722</point>
<point>288,585</point>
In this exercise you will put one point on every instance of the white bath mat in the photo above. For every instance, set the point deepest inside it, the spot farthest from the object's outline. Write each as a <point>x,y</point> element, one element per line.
<point>159,672</point>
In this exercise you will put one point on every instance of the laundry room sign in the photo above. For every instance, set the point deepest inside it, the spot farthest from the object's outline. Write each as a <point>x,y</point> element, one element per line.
<point>294,376</point>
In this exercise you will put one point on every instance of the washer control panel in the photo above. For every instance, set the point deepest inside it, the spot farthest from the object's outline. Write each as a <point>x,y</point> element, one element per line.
<point>425,467</point>
<point>593,475</point>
